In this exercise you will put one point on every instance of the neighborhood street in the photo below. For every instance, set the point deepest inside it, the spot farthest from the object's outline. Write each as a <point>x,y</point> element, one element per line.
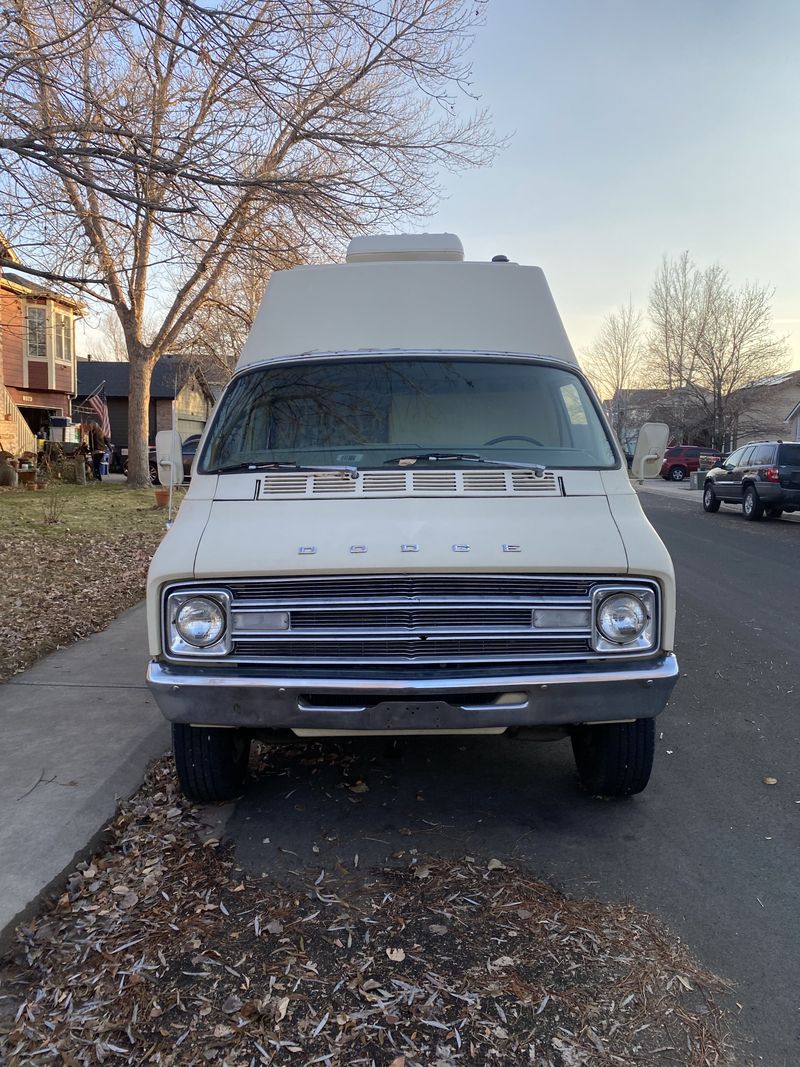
<point>709,846</point>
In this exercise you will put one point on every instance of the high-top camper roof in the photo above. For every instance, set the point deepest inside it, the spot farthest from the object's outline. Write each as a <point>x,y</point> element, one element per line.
<point>407,292</point>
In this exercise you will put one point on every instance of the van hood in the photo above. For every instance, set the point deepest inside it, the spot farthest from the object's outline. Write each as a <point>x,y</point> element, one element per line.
<point>318,536</point>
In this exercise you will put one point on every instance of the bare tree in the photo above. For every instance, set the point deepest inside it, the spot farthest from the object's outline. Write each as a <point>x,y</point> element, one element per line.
<point>708,341</point>
<point>150,147</point>
<point>614,361</point>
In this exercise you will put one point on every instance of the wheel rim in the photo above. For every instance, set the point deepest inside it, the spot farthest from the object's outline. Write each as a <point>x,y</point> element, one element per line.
<point>748,504</point>
<point>709,497</point>
<point>677,474</point>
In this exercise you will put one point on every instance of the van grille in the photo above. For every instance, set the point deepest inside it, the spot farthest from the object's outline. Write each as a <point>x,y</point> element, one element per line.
<point>396,622</point>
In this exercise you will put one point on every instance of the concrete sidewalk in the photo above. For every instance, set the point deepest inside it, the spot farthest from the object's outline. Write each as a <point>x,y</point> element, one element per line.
<point>77,730</point>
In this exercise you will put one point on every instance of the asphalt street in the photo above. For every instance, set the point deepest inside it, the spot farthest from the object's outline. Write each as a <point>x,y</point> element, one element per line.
<point>709,846</point>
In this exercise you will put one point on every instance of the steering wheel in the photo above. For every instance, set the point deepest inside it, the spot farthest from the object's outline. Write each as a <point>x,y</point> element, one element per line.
<point>513,437</point>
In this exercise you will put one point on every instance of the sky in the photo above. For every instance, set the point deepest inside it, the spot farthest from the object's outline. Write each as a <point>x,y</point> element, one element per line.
<point>638,129</point>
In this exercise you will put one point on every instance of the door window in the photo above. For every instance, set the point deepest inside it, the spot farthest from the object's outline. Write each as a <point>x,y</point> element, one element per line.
<point>763,455</point>
<point>744,459</point>
<point>734,457</point>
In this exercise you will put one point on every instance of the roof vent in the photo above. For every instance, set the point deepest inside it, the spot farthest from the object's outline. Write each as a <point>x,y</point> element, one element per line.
<point>499,259</point>
<point>406,247</point>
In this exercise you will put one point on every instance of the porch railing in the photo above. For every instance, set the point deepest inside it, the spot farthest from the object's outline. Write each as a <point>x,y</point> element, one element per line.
<point>26,439</point>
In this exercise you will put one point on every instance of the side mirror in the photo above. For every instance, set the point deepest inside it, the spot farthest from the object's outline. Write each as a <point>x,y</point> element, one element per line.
<point>650,449</point>
<point>169,458</point>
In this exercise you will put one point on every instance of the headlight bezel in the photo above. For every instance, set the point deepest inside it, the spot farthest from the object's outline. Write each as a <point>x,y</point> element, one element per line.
<point>175,643</point>
<point>647,640</point>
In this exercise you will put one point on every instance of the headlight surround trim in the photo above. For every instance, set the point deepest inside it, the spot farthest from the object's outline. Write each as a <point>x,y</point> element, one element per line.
<point>175,643</point>
<point>648,638</point>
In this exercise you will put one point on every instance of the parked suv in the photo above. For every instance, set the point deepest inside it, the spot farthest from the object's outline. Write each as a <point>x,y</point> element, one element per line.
<point>763,477</point>
<point>681,460</point>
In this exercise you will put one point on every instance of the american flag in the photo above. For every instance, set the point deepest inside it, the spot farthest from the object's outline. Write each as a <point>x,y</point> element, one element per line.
<point>98,405</point>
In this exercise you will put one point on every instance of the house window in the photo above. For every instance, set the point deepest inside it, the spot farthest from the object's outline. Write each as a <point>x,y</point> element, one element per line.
<point>62,332</point>
<point>36,333</point>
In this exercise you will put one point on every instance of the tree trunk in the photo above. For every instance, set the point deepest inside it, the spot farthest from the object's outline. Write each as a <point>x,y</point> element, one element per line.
<point>141,370</point>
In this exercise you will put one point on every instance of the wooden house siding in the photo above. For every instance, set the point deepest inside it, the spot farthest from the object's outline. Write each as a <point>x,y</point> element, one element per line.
<point>64,378</point>
<point>39,398</point>
<point>11,325</point>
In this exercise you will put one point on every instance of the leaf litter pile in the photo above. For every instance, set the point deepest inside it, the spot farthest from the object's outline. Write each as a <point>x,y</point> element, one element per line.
<point>161,951</point>
<point>73,559</point>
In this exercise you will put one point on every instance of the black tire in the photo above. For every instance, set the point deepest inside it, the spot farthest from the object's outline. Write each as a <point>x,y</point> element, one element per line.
<point>774,513</point>
<point>211,763</point>
<point>710,502</point>
<point>678,473</point>
<point>614,759</point>
<point>752,507</point>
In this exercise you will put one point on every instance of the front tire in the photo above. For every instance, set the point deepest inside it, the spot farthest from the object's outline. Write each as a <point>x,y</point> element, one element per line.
<point>211,762</point>
<point>752,507</point>
<point>710,502</point>
<point>614,759</point>
<point>677,474</point>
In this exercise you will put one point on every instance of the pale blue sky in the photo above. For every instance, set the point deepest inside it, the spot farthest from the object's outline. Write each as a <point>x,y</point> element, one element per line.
<point>639,128</point>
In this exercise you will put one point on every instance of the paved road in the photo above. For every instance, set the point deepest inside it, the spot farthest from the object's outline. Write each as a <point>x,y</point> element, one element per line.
<point>709,846</point>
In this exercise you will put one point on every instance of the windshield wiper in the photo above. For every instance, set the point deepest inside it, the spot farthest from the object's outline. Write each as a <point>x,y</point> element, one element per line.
<point>350,472</point>
<point>465,457</point>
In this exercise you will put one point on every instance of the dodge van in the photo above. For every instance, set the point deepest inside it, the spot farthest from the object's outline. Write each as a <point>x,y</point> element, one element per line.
<point>409,515</point>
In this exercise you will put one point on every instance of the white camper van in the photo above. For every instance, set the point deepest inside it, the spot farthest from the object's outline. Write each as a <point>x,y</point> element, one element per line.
<point>408,515</point>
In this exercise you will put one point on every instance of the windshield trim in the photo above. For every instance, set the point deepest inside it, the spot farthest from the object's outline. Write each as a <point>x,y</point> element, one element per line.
<point>411,354</point>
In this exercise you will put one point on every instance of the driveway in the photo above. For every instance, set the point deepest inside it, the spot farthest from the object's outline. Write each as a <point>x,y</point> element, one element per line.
<point>710,847</point>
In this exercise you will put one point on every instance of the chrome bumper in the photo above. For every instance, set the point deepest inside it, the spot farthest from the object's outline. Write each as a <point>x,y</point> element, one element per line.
<point>594,693</point>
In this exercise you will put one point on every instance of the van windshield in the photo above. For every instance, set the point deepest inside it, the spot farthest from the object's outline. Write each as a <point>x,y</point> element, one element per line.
<point>369,412</point>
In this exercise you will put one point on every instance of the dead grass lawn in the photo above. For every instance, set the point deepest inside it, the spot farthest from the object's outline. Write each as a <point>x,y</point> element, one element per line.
<point>73,557</point>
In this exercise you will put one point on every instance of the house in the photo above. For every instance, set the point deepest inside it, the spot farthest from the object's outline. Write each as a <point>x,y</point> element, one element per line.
<point>173,382</point>
<point>37,355</point>
<point>768,409</point>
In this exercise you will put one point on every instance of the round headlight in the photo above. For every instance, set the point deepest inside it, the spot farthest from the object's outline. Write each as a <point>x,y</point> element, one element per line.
<point>200,622</point>
<point>621,618</point>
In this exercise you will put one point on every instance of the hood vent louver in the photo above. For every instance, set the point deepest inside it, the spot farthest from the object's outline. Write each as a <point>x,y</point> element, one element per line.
<point>409,483</point>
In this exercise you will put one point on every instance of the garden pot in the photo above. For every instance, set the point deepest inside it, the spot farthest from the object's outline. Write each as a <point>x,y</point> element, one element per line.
<point>162,498</point>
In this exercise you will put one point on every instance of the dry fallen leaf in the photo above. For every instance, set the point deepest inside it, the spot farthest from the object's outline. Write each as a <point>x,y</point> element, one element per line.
<point>283,1007</point>
<point>359,787</point>
<point>398,1061</point>
<point>396,954</point>
<point>770,781</point>
<point>422,872</point>
<point>495,865</point>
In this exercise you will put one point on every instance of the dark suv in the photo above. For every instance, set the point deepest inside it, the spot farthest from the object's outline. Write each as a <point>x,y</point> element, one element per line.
<point>762,477</point>
<point>681,460</point>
